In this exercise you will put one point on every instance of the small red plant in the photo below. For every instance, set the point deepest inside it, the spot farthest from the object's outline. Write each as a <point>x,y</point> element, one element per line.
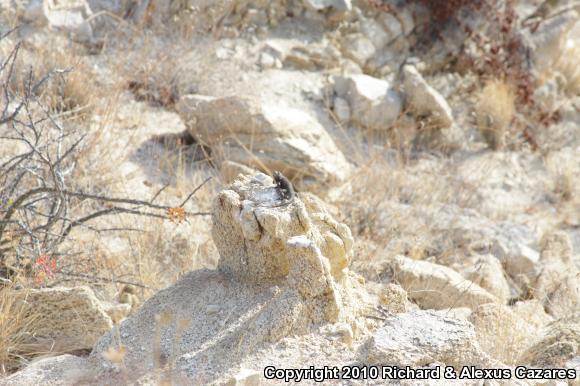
<point>45,267</point>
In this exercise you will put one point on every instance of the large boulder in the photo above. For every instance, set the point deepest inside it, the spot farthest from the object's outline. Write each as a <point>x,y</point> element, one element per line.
<point>374,103</point>
<point>267,137</point>
<point>420,338</point>
<point>71,16</point>
<point>282,272</point>
<point>72,318</point>
<point>435,286</point>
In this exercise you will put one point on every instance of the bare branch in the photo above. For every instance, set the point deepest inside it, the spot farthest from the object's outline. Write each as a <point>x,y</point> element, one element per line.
<point>98,278</point>
<point>194,191</point>
<point>158,193</point>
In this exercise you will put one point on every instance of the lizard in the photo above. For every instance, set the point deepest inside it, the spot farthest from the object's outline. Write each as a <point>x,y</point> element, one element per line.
<point>284,186</point>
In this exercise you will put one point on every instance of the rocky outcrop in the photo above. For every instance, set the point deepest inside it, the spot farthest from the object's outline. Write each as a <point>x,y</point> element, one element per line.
<point>283,270</point>
<point>268,137</point>
<point>455,272</point>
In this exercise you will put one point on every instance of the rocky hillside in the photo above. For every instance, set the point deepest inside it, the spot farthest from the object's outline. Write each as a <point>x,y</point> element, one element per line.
<point>423,226</point>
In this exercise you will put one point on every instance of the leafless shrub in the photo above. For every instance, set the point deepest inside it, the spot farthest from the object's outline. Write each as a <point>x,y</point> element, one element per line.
<point>39,205</point>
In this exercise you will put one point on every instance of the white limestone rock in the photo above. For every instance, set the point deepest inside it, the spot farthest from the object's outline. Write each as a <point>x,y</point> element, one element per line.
<point>435,286</point>
<point>62,370</point>
<point>266,136</point>
<point>72,317</point>
<point>374,103</point>
<point>319,5</point>
<point>358,48</point>
<point>424,100</point>
<point>419,338</point>
<point>70,16</point>
<point>488,273</point>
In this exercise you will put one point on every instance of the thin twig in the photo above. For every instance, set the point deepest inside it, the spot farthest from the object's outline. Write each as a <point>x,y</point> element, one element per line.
<point>158,193</point>
<point>105,212</point>
<point>194,191</point>
<point>99,278</point>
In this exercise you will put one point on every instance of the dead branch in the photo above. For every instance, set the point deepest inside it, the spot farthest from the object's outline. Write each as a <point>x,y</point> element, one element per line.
<point>39,206</point>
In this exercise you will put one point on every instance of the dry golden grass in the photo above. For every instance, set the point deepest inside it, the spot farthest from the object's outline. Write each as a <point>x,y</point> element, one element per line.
<point>71,87</point>
<point>152,71</point>
<point>564,173</point>
<point>495,110</point>
<point>17,344</point>
<point>495,332</point>
<point>372,206</point>
<point>567,65</point>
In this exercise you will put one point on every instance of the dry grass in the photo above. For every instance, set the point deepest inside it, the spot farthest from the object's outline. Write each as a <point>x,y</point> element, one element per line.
<point>567,65</point>
<point>564,172</point>
<point>374,203</point>
<point>156,81</point>
<point>495,111</point>
<point>17,344</point>
<point>496,334</point>
<point>72,87</point>
<point>153,71</point>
